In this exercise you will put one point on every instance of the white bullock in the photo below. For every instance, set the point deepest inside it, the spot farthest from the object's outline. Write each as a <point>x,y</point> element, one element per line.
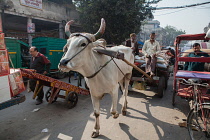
<point>80,56</point>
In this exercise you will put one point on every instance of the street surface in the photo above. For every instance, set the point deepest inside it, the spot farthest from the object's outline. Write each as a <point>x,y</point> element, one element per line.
<point>148,118</point>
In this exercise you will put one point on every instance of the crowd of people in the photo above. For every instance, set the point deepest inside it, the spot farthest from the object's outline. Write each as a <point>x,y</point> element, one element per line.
<point>151,49</point>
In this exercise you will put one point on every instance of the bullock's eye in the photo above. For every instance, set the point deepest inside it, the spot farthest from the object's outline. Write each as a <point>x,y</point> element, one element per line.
<point>83,44</point>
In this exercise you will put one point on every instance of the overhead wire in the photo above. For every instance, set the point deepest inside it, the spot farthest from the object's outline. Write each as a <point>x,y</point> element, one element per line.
<point>183,8</point>
<point>171,12</point>
<point>186,6</point>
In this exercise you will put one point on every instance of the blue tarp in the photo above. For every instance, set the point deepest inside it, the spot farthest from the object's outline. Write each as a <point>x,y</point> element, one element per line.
<point>139,42</point>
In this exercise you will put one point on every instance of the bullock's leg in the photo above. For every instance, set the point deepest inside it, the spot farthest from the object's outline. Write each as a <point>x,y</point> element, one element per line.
<point>114,95</point>
<point>96,107</point>
<point>125,93</point>
<point>122,85</point>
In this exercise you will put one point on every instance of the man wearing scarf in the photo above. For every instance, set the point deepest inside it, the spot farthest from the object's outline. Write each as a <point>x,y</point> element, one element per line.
<point>133,44</point>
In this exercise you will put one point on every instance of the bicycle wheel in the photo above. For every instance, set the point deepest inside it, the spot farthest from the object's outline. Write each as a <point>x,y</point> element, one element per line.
<point>196,124</point>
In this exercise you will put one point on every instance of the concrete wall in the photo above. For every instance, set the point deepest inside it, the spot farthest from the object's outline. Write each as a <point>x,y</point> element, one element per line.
<point>50,11</point>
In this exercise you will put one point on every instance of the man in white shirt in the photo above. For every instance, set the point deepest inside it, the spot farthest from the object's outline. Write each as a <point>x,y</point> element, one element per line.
<point>150,50</point>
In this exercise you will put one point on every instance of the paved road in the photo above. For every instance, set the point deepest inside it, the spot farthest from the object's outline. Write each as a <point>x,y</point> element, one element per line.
<point>148,118</point>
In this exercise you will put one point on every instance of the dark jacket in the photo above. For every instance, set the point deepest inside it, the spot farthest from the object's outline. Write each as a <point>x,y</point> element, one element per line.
<point>128,44</point>
<point>172,52</point>
<point>40,64</point>
<point>195,66</point>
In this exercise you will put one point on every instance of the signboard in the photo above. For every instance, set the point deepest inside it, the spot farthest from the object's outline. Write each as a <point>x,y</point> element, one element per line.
<point>32,3</point>
<point>4,63</point>
<point>31,28</point>
<point>16,82</point>
<point>2,44</point>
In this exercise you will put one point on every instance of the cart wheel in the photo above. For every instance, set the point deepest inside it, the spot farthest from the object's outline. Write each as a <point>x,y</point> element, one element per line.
<point>72,99</point>
<point>161,86</point>
<point>48,94</point>
<point>173,97</point>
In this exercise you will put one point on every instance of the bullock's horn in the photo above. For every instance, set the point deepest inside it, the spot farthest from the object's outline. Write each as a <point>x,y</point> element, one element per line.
<point>67,27</point>
<point>101,29</point>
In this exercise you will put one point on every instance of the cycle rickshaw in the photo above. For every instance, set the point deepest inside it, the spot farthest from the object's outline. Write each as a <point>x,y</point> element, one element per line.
<point>194,86</point>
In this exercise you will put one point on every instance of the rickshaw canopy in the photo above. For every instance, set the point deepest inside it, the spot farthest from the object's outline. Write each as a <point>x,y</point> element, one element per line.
<point>190,37</point>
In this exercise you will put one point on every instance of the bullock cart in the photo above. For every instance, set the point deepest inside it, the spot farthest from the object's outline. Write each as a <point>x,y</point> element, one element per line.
<point>55,86</point>
<point>186,91</point>
<point>81,54</point>
<point>160,80</point>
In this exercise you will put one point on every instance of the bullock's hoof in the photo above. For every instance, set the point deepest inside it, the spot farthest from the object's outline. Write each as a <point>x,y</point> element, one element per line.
<point>124,113</point>
<point>95,134</point>
<point>115,116</point>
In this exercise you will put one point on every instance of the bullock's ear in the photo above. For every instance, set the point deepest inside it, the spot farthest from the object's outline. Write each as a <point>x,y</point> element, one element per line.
<point>100,43</point>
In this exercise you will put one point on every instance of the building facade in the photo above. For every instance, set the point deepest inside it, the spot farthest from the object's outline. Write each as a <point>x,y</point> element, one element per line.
<point>148,27</point>
<point>26,19</point>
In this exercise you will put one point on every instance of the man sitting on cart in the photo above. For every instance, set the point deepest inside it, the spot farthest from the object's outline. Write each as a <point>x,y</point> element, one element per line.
<point>150,50</point>
<point>195,66</point>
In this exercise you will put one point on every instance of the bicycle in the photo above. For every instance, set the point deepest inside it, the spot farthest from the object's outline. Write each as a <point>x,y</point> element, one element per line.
<point>198,120</point>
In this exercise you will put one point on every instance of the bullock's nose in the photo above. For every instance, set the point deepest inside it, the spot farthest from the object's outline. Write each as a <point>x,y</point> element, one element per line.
<point>64,62</point>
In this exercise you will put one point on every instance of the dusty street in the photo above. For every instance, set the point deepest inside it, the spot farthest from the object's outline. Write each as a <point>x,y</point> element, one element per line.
<point>148,118</point>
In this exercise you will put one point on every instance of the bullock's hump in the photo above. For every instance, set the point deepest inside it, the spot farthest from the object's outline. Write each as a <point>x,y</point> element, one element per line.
<point>122,48</point>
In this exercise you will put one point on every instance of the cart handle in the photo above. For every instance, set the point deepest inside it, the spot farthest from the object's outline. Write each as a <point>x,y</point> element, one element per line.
<point>193,82</point>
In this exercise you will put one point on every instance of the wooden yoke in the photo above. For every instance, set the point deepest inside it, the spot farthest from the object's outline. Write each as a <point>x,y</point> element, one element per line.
<point>120,55</point>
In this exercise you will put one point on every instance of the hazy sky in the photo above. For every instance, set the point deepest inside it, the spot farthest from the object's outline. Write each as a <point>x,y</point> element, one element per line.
<point>191,20</point>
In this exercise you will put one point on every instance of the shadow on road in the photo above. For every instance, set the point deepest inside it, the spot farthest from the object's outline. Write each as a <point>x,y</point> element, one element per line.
<point>125,128</point>
<point>19,122</point>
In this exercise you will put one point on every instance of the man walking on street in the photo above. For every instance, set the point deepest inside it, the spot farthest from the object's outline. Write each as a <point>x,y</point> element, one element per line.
<point>42,66</point>
<point>150,50</point>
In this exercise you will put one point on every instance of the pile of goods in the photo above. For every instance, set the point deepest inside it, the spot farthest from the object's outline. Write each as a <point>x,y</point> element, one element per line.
<point>162,60</point>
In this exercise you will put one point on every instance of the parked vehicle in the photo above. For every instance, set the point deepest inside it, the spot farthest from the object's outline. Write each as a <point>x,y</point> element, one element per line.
<point>18,52</point>
<point>52,48</point>
<point>190,85</point>
<point>198,120</point>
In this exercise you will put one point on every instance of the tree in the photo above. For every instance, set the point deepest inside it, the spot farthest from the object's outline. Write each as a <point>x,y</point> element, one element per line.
<point>169,35</point>
<point>122,17</point>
